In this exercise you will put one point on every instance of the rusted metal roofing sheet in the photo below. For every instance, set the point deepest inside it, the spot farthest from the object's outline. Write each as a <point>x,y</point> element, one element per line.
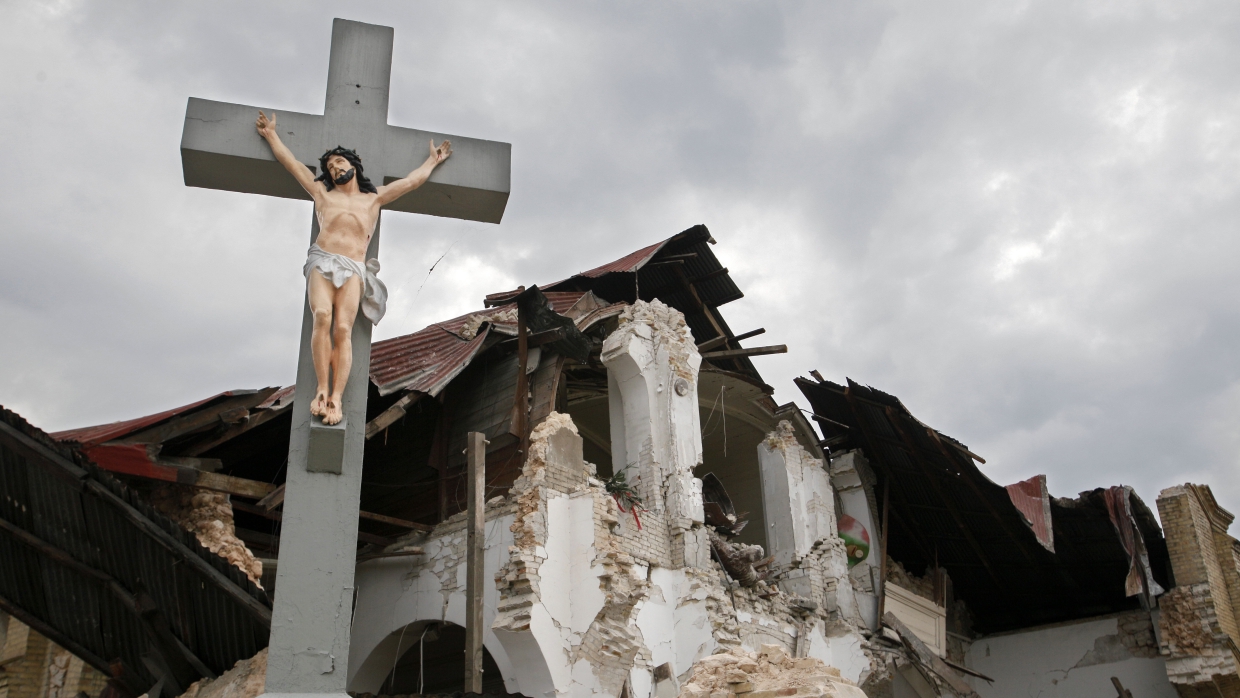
<point>427,360</point>
<point>944,510</point>
<point>90,436</point>
<point>91,565</point>
<point>629,262</point>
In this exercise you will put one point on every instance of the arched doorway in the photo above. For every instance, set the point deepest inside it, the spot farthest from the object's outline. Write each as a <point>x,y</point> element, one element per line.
<point>434,663</point>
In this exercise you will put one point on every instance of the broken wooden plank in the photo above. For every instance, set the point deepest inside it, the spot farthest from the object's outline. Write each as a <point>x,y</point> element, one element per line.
<point>750,333</point>
<point>739,353</point>
<point>718,341</point>
<point>277,516</point>
<point>198,419</point>
<point>393,521</point>
<point>407,552</point>
<point>389,416</point>
<point>274,499</point>
<point>256,419</point>
<point>929,659</point>
<point>238,486</point>
<point>827,420</point>
<point>712,343</point>
<point>206,465</point>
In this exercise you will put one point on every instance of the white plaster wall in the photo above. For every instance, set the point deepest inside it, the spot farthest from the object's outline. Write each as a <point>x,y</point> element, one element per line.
<point>842,652</point>
<point>797,495</point>
<point>398,594</point>
<point>568,582</point>
<point>674,622</point>
<point>1058,662</point>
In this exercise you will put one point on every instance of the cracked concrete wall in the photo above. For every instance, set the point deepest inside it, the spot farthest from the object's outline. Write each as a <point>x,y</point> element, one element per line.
<point>1073,660</point>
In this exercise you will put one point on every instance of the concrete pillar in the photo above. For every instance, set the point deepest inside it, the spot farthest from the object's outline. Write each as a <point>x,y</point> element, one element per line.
<point>656,438</point>
<point>796,496</point>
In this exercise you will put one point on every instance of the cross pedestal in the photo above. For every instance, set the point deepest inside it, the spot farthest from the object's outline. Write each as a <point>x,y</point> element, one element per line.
<point>220,149</point>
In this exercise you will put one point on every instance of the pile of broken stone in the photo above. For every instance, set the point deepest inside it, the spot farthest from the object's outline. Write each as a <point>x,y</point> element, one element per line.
<point>768,673</point>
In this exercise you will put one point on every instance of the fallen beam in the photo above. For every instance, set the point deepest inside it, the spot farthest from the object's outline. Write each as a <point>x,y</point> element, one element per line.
<point>393,521</point>
<point>928,658</point>
<point>254,420</point>
<point>739,353</point>
<point>389,416</point>
<point>273,500</point>
<point>277,516</point>
<point>718,341</point>
<point>712,343</point>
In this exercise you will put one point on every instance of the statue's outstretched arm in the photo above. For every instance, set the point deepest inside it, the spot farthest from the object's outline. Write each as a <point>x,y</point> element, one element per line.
<point>391,192</point>
<point>267,129</point>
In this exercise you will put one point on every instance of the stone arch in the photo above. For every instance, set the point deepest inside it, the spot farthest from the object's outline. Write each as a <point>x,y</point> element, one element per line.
<point>528,674</point>
<point>392,610</point>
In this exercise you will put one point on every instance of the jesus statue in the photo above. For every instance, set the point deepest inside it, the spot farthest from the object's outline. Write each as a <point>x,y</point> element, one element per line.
<point>339,278</point>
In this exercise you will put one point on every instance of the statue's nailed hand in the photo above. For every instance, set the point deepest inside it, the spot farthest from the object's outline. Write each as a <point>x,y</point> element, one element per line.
<point>266,127</point>
<point>440,153</point>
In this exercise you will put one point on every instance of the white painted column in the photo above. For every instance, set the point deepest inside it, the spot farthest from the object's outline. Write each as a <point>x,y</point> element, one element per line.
<point>797,496</point>
<point>656,439</point>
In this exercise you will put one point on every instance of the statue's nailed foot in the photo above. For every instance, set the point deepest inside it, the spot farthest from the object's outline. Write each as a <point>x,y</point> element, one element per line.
<point>334,414</point>
<point>318,407</point>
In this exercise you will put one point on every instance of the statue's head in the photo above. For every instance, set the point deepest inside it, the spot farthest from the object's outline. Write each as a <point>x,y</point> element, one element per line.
<point>338,166</point>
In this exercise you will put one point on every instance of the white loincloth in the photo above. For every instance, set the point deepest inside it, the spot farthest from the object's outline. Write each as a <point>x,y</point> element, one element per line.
<point>337,269</point>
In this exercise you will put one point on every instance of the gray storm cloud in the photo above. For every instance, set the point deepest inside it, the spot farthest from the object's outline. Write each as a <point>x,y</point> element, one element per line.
<point>1020,218</point>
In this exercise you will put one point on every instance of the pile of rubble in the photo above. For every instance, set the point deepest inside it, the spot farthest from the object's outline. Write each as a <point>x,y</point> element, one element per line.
<point>768,673</point>
<point>209,516</point>
<point>244,680</point>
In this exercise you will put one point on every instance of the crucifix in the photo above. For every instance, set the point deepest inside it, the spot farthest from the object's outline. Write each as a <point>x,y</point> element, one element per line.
<point>221,148</point>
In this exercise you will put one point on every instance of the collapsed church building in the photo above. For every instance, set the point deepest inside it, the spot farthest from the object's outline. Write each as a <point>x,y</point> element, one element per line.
<point>655,525</point>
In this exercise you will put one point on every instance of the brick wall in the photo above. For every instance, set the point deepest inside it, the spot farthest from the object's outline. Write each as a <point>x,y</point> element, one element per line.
<point>1198,622</point>
<point>32,666</point>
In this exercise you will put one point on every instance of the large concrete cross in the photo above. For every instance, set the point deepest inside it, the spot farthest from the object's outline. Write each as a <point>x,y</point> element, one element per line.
<point>220,149</point>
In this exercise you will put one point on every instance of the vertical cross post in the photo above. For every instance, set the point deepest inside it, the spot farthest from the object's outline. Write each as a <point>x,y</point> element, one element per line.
<point>476,455</point>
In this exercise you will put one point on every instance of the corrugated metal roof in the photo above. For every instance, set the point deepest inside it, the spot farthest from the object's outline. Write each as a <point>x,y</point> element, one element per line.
<point>89,563</point>
<point>629,262</point>
<point>90,436</point>
<point>944,510</point>
<point>427,360</point>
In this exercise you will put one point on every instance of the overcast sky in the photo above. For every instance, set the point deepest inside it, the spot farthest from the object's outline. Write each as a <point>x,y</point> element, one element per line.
<point>1019,217</point>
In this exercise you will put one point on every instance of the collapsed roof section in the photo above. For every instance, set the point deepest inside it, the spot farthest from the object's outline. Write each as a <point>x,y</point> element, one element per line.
<point>89,564</point>
<point>683,272</point>
<point>1108,553</point>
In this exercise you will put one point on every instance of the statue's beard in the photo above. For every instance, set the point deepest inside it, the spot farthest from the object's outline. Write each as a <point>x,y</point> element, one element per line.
<point>346,177</point>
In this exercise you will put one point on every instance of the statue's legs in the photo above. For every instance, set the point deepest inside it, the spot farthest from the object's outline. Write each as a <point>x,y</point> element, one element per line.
<point>345,305</point>
<point>330,343</point>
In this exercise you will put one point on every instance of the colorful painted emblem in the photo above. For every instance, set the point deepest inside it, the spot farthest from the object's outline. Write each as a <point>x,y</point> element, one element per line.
<point>856,540</point>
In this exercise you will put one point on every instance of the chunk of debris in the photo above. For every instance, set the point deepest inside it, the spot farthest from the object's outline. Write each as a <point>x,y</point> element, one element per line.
<point>740,561</point>
<point>768,673</point>
<point>245,680</point>
<point>470,329</point>
<point>209,516</point>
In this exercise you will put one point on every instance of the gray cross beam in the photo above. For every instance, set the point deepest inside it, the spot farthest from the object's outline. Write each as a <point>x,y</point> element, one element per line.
<point>220,149</point>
